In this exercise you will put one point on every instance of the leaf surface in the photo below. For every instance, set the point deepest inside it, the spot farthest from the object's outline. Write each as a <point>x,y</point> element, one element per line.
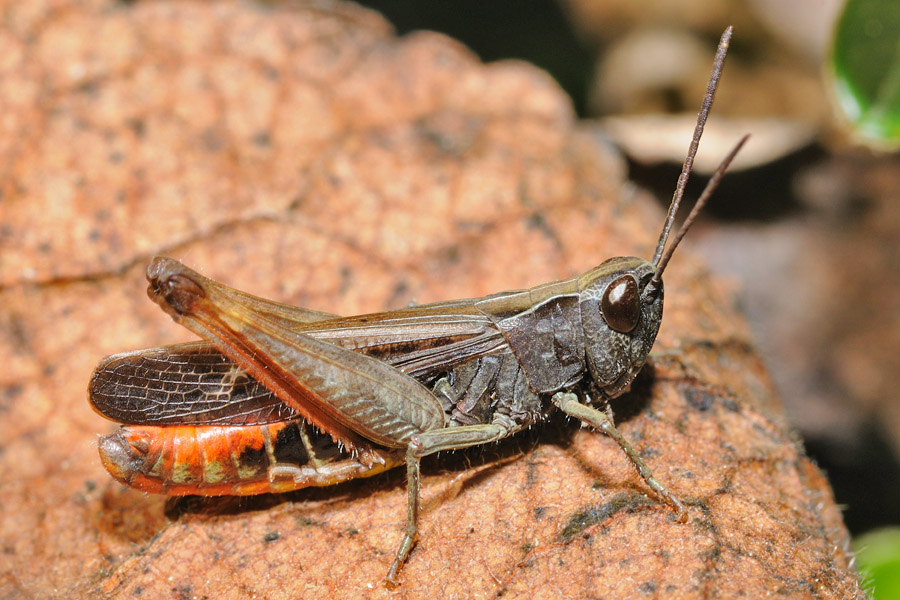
<point>309,156</point>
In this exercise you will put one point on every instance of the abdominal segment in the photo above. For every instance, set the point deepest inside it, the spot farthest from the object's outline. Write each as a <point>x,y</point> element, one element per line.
<point>233,460</point>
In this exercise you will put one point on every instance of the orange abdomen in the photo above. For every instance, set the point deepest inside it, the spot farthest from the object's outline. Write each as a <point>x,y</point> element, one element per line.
<point>214,460</point>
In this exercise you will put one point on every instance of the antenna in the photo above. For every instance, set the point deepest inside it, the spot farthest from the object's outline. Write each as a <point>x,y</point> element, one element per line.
<point>701,201</point>
<point>658,260</point>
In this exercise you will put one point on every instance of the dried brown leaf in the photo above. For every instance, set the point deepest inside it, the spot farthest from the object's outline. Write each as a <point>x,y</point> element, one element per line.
<point>309,156</point>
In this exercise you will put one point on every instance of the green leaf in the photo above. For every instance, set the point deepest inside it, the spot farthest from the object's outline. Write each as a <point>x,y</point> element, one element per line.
<point>865,68</point>
<point>878,556</point>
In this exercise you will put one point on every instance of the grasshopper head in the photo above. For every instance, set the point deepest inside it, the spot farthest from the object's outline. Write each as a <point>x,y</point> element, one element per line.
<point>621,305</point>
<point>621,301</point>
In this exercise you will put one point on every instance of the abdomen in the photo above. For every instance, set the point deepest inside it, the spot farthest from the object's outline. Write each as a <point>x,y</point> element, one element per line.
<point>231,460</point>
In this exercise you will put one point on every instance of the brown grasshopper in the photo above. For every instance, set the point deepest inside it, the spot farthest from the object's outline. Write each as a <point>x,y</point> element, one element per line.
<point>278,397</point>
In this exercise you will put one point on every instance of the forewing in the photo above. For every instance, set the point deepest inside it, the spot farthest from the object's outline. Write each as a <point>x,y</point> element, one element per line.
<point>196,384</point>
<point>358,399</point>
<point>185,384</point>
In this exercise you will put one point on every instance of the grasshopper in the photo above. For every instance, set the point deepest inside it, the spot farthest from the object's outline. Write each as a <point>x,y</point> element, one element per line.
<point>278,397</point>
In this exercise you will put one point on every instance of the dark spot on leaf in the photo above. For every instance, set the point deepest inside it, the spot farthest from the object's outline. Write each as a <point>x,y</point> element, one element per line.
<point>648,454</point>
<point>138,126</point>
<point>346,278</point>
<point>712,554</point>
<point>183,592</point>
<point>699,399</point>
<point>597,514</point>
<point>730,404</point>
<point>538,222</point>
<point>648,587</point>
<point>9,395</point>
<point>88,87</point>
<point>703,575</point>
<point>400,293</point>
<point>272,536</point>
<point>262,139</point>
<point>704,525</point>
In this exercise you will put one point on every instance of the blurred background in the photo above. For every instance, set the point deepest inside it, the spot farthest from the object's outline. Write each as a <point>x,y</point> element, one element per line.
<point>806,225</point>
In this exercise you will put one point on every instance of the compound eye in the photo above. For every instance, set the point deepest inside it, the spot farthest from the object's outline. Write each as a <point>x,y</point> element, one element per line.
<point>621,304</point>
